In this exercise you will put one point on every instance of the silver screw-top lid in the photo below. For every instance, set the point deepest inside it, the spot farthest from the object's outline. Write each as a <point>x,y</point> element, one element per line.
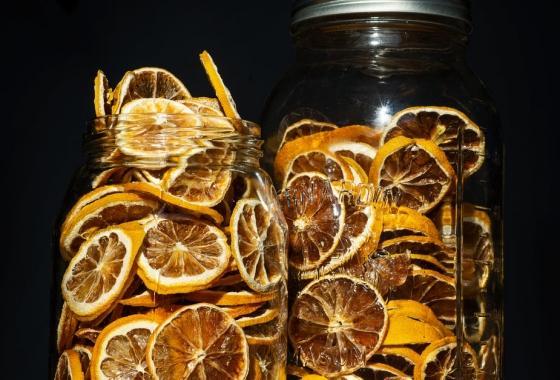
<point>308,9</point>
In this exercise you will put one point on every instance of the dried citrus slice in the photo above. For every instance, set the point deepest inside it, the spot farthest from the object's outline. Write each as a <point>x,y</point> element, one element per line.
<point>202,177</point>
<point>198,341</point>
<point>383,272</point>
<point>101,91</point>
<point>266,334</point>
<point>297,371</point>
<point>109,210</point>
<point>401,358</point>
<point>337,323</point>
<point>412,173</point>
<point>228,298</point>
<point>362,224</point>
<point>204,106</point>
<point>148,82</point>
<point>411,322</point>
<point>259,317</point>
<point>222,92</point>
<point>358,174</point>
<point>99,272</point>
<point>478,247</point>
<point>180,253</point>
<point>432,289</point>
<point>442,125</point>
<point>440,361</point>
<point>108,176</point>
<point>403,221</point>
<point>67,325</point>
<point>381,371</point>
<point>305,127</point>
<point>69,366</point>
<point>436,254</point>
<point>242,310</point>
<point>85,353</point>
<point>266,363</point>
<point>315,217</point>
<point>360,152</point>
<point>88,334</point>
<point>257,244</point>
<point>489,358</point>
<point>120,349</point>
<point>166,197</point>
<point>475,318</point>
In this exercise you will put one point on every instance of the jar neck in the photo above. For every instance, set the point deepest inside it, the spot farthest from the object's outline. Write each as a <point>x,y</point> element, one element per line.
<point>393,42</point>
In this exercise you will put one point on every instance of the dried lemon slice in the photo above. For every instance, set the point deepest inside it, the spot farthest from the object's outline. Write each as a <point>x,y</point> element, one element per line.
<point>229,298</point>
<point>305,127</point>
<point>401,358</point>
<point>147,82</point>
<point>404,221</point>
<point>315,217</point>
<point>257,242</point>
<point>98,273</point>
<point>69,366</point>
<point>198,341</point>
<point>180,253</point>
<point>424,251</point>
<point>109,210</point>
<point>442,125</point>
<point>120,348</point>
<point>337,323</point>
<point>67,325</point>
<point>439,361</point>
<point>360,152</point>
<point>412,173</point>
<point>101,91</point>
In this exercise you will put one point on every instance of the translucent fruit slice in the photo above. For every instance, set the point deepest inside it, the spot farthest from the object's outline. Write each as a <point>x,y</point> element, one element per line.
<point>204,106</point>
<point>229,298</point>
<point>337,323</point>
<point>222,92</point>
<point>401,358</point>
<point>360,152</point>
<point>101,91</point>
<point>180,253</point>
<point>358,173</point>
<point>257,244</point>
<point>98,274</point>
<point>148,82</point>
<point>436,254</point>
<point>305,127</point>
<point>107,211</point>
<point>412,173</point>
<point>120,349</point>
<point>362,224</point>
<point>266,363</point>
<point>433,289</point>
<point>442,125</point>
<point>404,221</point>
<point>69,366</point>
<point>439,361</point>
<point>202,177</point>
<point>198,341</point>
<point>315,217</point>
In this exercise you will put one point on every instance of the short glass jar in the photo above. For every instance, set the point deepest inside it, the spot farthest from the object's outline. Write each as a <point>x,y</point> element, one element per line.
<point>170,259</point>
<point>388,155</point>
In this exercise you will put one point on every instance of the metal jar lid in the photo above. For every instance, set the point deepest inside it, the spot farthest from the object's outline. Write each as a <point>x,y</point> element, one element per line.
<point>308,9</point>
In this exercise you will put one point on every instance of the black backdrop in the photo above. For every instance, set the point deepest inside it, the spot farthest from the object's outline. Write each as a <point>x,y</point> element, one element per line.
<point>51,50</point>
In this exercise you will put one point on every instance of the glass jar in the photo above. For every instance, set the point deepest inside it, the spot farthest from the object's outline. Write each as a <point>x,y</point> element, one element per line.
<point>387,152</point>
<point>170,259</point>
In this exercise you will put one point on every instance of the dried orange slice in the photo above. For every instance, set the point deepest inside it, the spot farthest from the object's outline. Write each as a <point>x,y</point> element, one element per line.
<point>259,317</point>
<point>383,272</point>
<point>222,92</point>
<point>439,361</point>
<point>257,244</point>
<point>411,322</point>
<point>198,341</point>
<point>433,289</point>
<point>427,251</point>
<point>110,210</point>
<point>315,217</point>
<point>362,224</point>
<point>101,91</point>
<point>478,247</point>
<point>88,334</point>
<point>360,152</point>
<point>401,358</point>
<point>148,82</point>
<point>403,221</point>
<point>204,106</point>
<point>266,363</point>
<point>67,325</point>
<point>180,253</point>
<point>202,177</point>
<point>442,125</point>
<point>108,176</point>
<point>489,358</point>
<point>85,353</point>
<point>358,174</point>
<point>265,334</point>
<point>99,272</point>
<point>305,127</point>
<point>242,310</point>
<point>229,298</point>
<point>381,371</point>
<point>69,366</point>
<point>120,348</point>
<point>337,323</point>
<point>412,173</point>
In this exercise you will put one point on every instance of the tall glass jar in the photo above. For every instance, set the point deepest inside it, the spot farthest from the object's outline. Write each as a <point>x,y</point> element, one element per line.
<point>170,259</point>
<point>387,151</point>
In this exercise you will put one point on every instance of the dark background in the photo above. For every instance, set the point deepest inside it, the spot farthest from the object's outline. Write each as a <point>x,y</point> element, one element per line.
<point>52,49</point>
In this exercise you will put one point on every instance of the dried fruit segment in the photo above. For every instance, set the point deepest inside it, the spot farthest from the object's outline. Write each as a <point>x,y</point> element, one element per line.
<point>439,361</point>
<point>305,127</point>
<point>69,366</point>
